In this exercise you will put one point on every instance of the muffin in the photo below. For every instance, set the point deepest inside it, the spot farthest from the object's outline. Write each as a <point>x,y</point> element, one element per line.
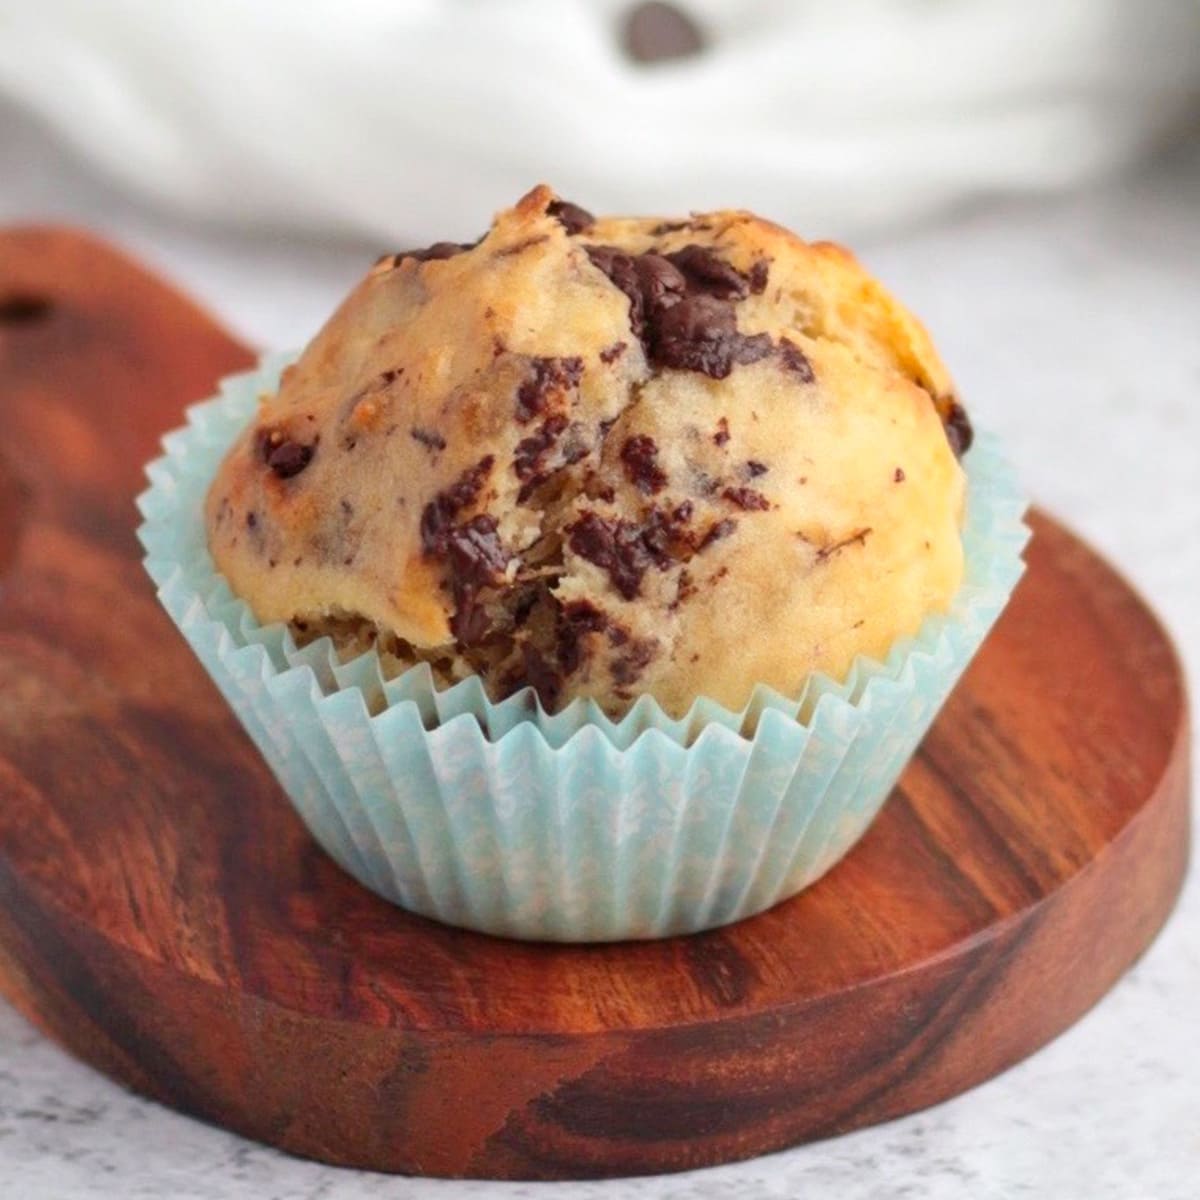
<point>605,458</point>
<point>594,581</point>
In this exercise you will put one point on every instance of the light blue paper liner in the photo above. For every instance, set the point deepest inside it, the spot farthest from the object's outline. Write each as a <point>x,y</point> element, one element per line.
<point>571,826</point>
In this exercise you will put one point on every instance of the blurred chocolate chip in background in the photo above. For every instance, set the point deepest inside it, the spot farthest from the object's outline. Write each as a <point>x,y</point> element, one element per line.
<point>656,32</point>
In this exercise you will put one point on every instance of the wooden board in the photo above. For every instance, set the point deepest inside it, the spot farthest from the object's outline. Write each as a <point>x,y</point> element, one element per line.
<point>164,915</point>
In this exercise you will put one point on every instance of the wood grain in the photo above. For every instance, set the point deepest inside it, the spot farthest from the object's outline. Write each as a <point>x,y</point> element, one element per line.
<point>164,915</point>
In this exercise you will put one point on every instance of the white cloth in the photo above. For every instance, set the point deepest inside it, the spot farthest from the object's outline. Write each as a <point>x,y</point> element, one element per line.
<point>417,118</point>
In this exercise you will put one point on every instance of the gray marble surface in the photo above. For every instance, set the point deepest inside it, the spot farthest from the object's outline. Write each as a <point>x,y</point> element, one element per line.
<point>1073,325</point>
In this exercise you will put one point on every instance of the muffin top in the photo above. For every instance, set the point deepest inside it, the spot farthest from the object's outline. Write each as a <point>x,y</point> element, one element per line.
<point>602,457</point>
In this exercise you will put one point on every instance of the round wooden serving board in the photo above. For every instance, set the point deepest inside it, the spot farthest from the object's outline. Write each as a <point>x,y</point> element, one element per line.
<point>164,915</point>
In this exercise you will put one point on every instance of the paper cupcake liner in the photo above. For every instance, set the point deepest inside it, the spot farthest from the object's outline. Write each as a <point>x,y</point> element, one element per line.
<point>570,826</point>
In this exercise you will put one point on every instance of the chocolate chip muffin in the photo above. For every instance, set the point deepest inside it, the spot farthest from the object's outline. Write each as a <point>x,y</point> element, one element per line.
<point>605,457</point>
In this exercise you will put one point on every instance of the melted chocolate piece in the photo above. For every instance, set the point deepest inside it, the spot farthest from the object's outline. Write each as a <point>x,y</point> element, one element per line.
<point>899,476</point>
<point>959,433</point>
<point>615,547</point>
<point>570,216</point>
<point>530,453</point>
<point>627,669</point>
<point>722,529</point>
<point>795,360</point>
<point>685,590</point>
<point>438,250</point>
<point>657,32</point>
<point>640,458</point>
<point>680,307</point>
<point>576,620</point>
<point>474,552</point>
<point>700,334</point>
<point>428,438</point>
<point>584,616</point>
<point>287,458</point>
<point>475,558</point>
<point>747,499</point>
<point>664,534</point>
<point>722,434</point>
<point>660,281</point>
<point>547,378</point>
<point>619,268</point>
<point>708,273</point>
<point>757,278</point>
<point>754,468</point>
<point>438,515</point>
<point>612,353</point>
<point>538,674</point>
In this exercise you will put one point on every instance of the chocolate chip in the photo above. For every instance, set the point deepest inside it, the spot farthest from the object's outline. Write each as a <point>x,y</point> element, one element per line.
<point>596,488</point>
<point>548,377</point>
<point>660,281</point>
<point>529,451</point>
<point>708,273</point>
<point>627,669</point>
<point>476,559</point>
<point>722,529</point>
<point>657,32</point>
<point>639,455</point>
<point>285,457</point>
<point>665,227</point>
<point>469,622</point>
<point>438,250</point>
<point>576,620</point>
<point>619,268</point>
<point>794,360</point>
<point>751,348</point>
<point>747,499</point>
<point>754,468</point>
<point>538,674</point>
<point>570,216</point>
<point>899,476</point>
<point>474,552</point>
<point>612,353</point>
<point>757,277</point>
<point>615,547</point>
<point>584,616</point>
<point>685,590</point>
<point>959,433</point>
<point>665,535</point>
<point>651,283</point>
<point>428,438</point>
<point>700,334</point>
<point>251,520</point>
<point>679,308</point>
<point>696,335</point>
<point>722,434</point>
<point>438,515</point>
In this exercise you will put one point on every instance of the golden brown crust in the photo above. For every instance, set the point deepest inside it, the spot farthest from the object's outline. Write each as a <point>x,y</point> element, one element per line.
<point>600,474</point>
